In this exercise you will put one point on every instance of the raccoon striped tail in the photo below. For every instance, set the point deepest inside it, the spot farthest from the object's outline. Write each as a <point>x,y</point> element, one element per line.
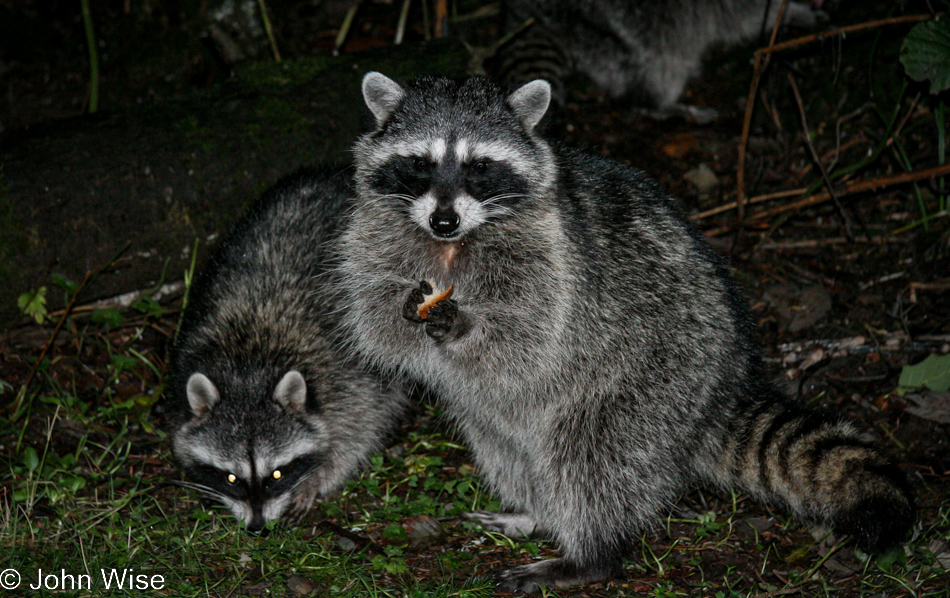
<point>531,54</point>
<point>824,471</point>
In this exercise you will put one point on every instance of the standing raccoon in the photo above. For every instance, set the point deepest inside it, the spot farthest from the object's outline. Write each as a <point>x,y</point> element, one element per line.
<point>268,412</point>
<point>646,50</point>
<point>594,352</point>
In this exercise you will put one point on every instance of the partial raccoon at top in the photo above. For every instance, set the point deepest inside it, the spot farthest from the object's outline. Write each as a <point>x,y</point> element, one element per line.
<point>642,50</point>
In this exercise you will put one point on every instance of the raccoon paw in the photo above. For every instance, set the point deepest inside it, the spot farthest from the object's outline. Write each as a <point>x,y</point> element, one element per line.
<point>553,573</point>
<point>442,319</point>
<point>513,525</point>
<point>410,309</point>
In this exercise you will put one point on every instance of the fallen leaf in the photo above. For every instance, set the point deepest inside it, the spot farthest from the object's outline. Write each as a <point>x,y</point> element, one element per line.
<point>934,406</point>
<point>680,145</point>
<point>933,372</point>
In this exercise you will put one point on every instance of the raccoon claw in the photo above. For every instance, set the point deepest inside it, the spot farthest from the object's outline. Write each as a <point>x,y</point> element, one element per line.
<point>441,318</point>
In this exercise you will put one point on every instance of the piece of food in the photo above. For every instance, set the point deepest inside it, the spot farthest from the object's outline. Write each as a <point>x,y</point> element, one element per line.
<point>432,298</point>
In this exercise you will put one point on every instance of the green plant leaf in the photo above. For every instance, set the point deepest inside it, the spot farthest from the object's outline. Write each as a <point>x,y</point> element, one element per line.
<point>933,372</point>
<point>109,316</point>
<point>34,304</point>
<point>124,362</point>
<point>30,459</point>
<point>925,54</point>
<point>64,283</point>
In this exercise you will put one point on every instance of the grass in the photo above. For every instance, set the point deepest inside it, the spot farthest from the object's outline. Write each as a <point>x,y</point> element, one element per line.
<point>88,488</point>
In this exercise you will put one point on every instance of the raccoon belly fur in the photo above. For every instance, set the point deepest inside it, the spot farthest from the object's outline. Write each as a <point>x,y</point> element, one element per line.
<point>595,353</point>
<point>268,411</point>
<point>646,50</point>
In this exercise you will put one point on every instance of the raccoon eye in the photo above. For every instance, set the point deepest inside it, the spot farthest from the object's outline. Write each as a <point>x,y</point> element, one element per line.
<point>480,167</point>
<point>420,164</point>
<point>232,478</point>
<point>276,474</point>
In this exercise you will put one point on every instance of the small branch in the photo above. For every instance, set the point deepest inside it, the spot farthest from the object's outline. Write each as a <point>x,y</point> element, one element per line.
<point>441,18</point>
<point>93,58</point>
<point>814,243</point>
<point>754,200</point>
<point>859,187</point>
<point>844,31</point>
<point>761,63</point>
<point>814,156</point>
<point>762,56</point>
<point>59,326</point>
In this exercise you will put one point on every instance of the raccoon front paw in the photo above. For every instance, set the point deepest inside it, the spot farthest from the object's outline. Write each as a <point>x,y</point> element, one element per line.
<point>410,309</point>
<point>442,319</point>
<point>513,525</point>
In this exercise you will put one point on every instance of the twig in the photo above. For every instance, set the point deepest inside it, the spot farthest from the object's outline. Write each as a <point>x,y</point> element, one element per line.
<point>761,62</point>
<point>754,200</point>
<point>90,275</point>
<point>59,326</point>
<point>813,243</point>
<point>441,18</point>
<point>93,58</point>
<point>814,156</point>
<point>844,31</point>
<point>858,187</point>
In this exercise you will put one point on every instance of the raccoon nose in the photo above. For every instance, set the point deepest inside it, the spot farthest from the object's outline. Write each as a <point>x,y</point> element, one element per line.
<point>256,525</point>
<point>444,223</point>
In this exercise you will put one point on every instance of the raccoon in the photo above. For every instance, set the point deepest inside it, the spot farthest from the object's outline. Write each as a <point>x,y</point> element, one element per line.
<point>644,50</point>
<point>267,411</point>
<point>595,353</point>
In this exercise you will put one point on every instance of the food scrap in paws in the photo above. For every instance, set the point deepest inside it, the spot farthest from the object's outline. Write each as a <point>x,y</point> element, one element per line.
<point>432,298</point>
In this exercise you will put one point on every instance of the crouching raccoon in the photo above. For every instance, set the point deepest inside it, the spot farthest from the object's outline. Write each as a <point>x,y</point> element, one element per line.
<point>267,411</point>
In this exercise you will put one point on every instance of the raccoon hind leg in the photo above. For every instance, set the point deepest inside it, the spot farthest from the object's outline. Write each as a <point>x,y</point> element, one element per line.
<point>557,573</point>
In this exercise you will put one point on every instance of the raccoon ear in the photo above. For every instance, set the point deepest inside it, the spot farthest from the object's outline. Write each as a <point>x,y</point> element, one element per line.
<point>202,394</point>
<point>530,102</point>
<point>381,94</point>
<point>291,391</point>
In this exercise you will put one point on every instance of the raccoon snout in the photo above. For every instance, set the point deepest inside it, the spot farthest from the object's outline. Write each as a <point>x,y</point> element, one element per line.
<point>444,223</point>
<point>256,525</point>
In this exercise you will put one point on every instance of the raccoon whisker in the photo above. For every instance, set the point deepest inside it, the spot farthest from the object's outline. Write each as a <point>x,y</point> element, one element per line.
<point>206,490</point>
<point>402,197</point>
<point>303,478</point>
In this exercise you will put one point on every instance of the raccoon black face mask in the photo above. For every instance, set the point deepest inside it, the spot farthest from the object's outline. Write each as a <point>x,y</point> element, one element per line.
<point>594,352</point>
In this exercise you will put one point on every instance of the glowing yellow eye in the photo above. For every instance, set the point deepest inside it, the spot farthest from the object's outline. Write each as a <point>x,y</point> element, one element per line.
<point>232,478</point>
<point>276,474</point>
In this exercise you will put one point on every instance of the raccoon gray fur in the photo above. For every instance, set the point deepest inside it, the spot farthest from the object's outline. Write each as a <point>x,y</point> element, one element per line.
<point>646,50</point>
<point>595,355</point>
<point>267,411</point>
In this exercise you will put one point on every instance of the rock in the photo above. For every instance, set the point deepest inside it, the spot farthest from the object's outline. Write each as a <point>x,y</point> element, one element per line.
<point>703,178</point>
